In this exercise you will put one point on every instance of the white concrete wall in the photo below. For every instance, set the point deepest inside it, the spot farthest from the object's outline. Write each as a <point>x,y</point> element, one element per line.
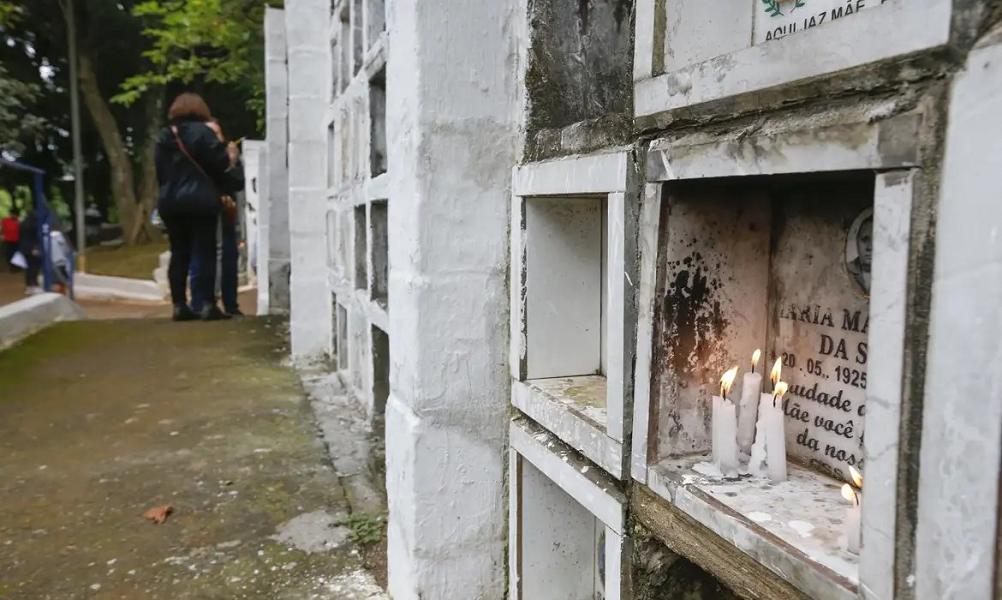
<point>277,114</point>
<point>307,24</point>
<point>351,190</point>
<point>451,103</point>
<point>263,232</point>
<point>962,421</point>
<point>252,192</point>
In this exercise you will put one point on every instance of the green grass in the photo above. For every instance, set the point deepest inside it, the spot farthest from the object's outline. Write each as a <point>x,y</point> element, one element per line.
<point>136,262</point>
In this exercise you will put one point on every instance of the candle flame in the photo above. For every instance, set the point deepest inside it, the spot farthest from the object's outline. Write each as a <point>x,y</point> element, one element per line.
<point>780,389</point>
<point>754,359</point>
<point>727,380</point>
<point>849,494</point>
<point>777,370</point>
<point>857,479</point>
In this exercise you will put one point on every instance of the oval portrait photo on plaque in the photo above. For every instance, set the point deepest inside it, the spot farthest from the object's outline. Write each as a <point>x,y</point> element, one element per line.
<point>859,251</point>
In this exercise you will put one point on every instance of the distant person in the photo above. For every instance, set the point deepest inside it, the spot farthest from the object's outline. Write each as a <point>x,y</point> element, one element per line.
<point>60,256</point>
<point>229,254</point>
<point>10,228</point>
<point>193,167</point>
<point>92,224</point>
<point>30,247</point>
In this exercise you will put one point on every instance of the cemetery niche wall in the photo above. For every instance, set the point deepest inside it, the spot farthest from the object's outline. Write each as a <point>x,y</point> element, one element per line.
<point>774,245</point>
<point>782,266</point>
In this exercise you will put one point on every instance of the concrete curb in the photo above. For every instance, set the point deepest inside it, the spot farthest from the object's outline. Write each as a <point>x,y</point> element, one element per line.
<point>25,317</point>
<point>103,287</point>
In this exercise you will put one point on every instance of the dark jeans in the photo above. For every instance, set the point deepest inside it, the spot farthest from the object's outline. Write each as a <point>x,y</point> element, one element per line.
<point>227,270</point>
<point>186,233</point>
<point>33,271</point>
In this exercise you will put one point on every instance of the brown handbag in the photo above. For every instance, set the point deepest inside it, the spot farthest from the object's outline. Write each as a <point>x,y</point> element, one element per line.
<point>229,204</point>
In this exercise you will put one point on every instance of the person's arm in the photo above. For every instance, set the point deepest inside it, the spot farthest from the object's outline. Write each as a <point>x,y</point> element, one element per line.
<point>211,154</point>
<point>235,178</point>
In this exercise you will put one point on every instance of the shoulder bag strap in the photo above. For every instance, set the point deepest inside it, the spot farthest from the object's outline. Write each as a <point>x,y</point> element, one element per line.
<point>180,146</point>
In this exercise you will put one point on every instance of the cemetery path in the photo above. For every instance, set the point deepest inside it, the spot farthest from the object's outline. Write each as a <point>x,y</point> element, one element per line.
<point>102,420</point>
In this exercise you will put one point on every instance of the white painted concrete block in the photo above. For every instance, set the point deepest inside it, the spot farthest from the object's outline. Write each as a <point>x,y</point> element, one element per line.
<point>962,421</point>
<point>276,96</point>
<point>445,541</point>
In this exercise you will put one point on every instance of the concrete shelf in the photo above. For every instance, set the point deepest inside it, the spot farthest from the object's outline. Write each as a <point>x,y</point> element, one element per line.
<point>793,528</point>
<point>573,408</point>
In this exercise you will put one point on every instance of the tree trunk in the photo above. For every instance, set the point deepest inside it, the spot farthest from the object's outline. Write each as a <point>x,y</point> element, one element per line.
<point>123,189</point>
<point>143,229</point>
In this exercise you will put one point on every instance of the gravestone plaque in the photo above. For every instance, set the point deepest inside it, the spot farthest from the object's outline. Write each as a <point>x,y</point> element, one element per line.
<point>776,19</point>
<point>819,307</point>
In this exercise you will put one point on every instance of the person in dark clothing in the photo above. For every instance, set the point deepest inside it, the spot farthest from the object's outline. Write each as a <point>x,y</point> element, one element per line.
<point>193,167</point>
<point>228,253</point>
<point>11,229</point>
<point>30,246</point>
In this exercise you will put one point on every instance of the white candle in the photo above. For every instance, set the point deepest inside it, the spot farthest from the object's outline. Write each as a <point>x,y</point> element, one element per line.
<point>757,462</point>
<point>852,519</point>
<point>751,387</point>
<point>724,428</point>
<point>775,435</point>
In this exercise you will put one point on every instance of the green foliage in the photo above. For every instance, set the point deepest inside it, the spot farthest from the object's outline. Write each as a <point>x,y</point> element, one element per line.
<point>366,529</point>
<point>219,41</point>
<point>18,126</point>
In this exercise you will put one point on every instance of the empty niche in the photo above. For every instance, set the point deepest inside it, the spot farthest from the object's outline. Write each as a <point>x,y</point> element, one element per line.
<point>342,337</point>
<point>333,159</point>
<point>562,543</point>
<point>331,234</point>
<point>377,118</point>
<point>380,253</point>
<point>345,44</point>
<point>380,370</point>
<point>361,272</point>
<point>357,32</point>
<point>565,266</point>
<point>377,19</point>
<point>335,331</point>
<point>335,68</point>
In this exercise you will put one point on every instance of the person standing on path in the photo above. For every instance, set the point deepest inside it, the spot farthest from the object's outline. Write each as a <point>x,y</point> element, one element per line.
<point>229,254</point>
<point>10,228</point>
<point>193,166</point>
<point>30,246</point>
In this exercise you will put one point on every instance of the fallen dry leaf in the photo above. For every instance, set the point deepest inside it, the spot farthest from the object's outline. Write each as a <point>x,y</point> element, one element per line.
<point>158,514</point>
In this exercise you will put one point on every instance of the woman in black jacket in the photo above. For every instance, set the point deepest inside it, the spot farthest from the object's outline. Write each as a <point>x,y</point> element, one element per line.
<point>193,165</point>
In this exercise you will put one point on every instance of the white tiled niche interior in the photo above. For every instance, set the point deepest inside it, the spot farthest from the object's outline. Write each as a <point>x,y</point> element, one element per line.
<point>744,209</point>
<point>566,522</point>
<point>573,264</point>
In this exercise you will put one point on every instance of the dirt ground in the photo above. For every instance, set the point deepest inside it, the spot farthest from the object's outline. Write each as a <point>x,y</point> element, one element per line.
<point>102,420</point>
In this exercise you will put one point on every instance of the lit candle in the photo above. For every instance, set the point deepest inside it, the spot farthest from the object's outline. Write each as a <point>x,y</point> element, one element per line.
<point>775,435</point>
<point>757,463</point>
<point>853,514</point>
<point>724,428</point>
<point>751,388</point>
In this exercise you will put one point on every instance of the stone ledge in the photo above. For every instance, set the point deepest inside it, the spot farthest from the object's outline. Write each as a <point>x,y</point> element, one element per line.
<point>792,528</point>
<point>103,287</point>
<point>25,317</point>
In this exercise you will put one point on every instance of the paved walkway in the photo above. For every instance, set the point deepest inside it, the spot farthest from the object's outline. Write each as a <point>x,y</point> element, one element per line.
<point>102,420</point>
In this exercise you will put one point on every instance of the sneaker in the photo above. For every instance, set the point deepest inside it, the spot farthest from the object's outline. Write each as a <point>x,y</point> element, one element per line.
<point>236,312</point>
<point>183,313</point>
<point>33,290</point>
<point>212,313</point>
